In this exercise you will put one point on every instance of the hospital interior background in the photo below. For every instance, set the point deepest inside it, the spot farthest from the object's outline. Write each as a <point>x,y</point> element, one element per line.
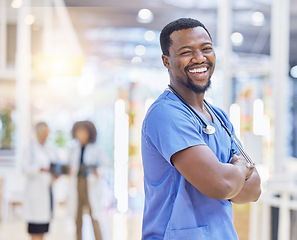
<point>63,61</point>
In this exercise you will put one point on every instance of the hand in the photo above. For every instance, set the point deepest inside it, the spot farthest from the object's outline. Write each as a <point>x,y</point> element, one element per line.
<point>96,173</point>
<point>240,160</point>
<point>55,177</point>
<point>44,170</point>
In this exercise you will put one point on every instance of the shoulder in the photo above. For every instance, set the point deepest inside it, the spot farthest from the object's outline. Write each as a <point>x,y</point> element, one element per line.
<point>38,148</point>
<point>73,145</point>
<point>168,116</point>
<point>93,148</point>
<point>167,108</point>
<point>73,148</point>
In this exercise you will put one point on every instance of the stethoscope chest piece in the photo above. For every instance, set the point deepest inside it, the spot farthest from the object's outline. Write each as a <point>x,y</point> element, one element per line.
<point>209,130</point>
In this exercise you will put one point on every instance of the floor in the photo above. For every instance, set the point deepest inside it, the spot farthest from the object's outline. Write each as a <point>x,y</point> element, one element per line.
<point>114,226</point>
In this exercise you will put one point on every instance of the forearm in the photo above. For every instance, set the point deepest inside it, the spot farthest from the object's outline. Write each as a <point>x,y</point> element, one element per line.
<point>234,180</point>
<point>250,191</point>
<point>200,167</point>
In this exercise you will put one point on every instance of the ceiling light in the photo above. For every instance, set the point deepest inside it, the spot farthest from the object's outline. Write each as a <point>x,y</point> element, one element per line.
<point>136,60</point>
<point>149,35</point>
<point>145,16</point>
<point>293,71</point>
<point>237,38</point>
<point>258,19</point>
<point>16,3</point>
<point>30,19</point>
<point>140,50</point>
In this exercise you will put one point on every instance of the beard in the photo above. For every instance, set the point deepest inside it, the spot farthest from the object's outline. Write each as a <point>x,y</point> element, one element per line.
<point>196,88</point>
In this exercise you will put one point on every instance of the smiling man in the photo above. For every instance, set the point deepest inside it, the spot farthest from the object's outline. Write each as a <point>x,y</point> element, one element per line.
<point>192,168</point>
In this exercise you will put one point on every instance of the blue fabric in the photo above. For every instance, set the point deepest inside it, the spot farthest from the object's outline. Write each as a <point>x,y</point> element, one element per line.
<point>174,209</point>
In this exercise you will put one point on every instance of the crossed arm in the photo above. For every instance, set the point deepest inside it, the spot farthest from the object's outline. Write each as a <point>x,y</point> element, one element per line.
<point>233,181</point>
<point>250,191</point>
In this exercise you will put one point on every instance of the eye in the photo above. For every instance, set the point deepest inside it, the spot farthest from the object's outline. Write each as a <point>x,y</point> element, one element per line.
<point>207,49</point>
<point>186,52</point>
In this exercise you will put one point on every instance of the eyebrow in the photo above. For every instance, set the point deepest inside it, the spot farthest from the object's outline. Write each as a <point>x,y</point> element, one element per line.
<point>203,44</point>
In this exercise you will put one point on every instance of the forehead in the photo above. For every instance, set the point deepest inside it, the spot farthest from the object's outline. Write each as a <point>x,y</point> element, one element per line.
<point>189,36</point>
<point>42,128</point>
<point>81,129</point>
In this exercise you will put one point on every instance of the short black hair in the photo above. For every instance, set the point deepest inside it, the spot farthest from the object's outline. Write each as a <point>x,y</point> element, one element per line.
<point>179,24</point>
<point>89,126</point>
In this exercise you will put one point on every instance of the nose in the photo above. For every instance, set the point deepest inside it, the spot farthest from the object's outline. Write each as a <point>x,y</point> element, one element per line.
<point>198,57</point>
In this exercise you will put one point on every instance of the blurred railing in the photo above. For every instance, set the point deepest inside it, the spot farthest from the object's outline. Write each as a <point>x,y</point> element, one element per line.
<point>274,215</point>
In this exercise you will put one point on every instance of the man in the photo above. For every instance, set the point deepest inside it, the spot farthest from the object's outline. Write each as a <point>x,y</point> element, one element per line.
<point>191,177</point>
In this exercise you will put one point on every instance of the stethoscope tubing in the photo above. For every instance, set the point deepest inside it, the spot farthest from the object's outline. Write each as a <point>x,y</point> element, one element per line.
<point>244,154</point>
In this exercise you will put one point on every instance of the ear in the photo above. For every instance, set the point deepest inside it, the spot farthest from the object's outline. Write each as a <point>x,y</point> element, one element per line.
<point>166,61</point>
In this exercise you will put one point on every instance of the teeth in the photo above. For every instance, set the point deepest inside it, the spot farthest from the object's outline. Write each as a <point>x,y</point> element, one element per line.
<point>198,70</point>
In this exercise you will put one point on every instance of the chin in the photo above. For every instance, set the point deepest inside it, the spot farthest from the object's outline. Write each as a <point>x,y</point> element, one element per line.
<point>198,88</point>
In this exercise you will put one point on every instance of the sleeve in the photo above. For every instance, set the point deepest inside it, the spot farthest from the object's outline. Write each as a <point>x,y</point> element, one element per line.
<point>172,128</point>
<point>96,155</point>
<point>72,159</point>
<point>103,159</point>
<point>102,162</point>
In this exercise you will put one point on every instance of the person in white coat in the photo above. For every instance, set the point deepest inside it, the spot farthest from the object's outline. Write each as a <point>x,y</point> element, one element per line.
<point>84,161</point>
<point>38,198</point>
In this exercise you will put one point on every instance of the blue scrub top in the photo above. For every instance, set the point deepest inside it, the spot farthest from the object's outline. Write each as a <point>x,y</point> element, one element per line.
<point>174,209</point>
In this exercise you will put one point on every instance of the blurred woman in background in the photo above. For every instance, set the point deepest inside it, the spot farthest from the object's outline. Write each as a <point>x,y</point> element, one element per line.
<point>38,204</point>
<point>84,160</point>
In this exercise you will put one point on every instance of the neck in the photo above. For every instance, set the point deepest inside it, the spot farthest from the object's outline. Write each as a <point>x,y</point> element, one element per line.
<point>192,98</point>
<point>42,142</point>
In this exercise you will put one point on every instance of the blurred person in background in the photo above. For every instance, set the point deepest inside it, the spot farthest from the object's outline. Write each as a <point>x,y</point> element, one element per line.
<point>84,159</point>
<point>38,204</point>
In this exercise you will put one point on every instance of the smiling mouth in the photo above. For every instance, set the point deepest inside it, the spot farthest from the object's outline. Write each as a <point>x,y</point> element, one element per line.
<point>198,70</point>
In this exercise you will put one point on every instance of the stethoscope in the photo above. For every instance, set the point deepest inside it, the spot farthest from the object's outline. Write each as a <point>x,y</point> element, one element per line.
<point>210,130</point>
